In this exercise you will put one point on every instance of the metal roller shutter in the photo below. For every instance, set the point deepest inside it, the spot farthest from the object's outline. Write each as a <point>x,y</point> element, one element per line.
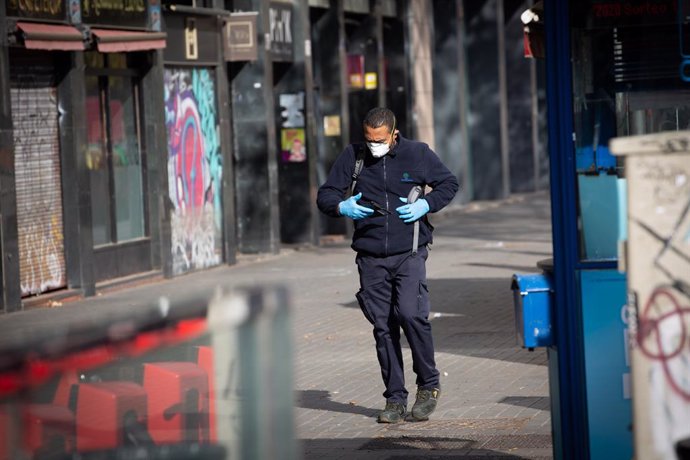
<point>38,177</point>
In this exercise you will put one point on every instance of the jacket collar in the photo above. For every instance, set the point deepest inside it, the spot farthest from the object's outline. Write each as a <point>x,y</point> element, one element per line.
<point>394,149</point>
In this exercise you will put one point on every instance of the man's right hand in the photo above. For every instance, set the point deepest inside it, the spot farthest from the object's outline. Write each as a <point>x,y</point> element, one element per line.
<point>351,209</point>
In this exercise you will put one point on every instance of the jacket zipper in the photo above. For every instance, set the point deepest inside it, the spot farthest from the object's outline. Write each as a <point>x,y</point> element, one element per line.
<point>385,192</point>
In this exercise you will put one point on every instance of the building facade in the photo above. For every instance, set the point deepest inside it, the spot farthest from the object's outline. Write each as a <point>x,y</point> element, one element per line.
<point>80,158</point>
<point>146,138</point>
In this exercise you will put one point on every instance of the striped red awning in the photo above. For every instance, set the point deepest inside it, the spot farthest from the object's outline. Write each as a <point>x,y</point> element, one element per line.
<point>51,36</point>
<point>117,41</point>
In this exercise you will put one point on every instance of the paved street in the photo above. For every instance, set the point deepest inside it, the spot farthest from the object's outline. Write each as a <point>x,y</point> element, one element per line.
<point>495,395</point>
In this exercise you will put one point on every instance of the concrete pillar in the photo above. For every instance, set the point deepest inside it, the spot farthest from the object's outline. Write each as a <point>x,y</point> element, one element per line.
<point>76,185</point>
<point>420,56</point>
<point>503,98</point>
<point>9,242</point>
<point>254,145</point>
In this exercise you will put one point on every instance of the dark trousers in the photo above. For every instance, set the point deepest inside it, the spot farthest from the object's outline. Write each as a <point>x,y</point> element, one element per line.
<point>393,295</point>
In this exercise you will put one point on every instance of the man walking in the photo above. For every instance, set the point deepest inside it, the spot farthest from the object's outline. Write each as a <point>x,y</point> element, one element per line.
<point>392,272</point>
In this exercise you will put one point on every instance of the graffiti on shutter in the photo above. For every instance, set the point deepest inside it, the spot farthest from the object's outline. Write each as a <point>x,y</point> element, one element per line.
<point>38,178</point>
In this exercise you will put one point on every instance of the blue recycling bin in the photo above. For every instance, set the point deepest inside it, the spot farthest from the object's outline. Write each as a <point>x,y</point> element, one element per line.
<point>533,304</point>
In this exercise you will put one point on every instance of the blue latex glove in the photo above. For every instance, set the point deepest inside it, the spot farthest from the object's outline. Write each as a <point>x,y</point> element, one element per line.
<point>411,212</point>
<point>351,209</point>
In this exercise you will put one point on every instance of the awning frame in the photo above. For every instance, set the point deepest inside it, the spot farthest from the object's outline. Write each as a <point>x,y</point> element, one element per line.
<point>40,35</point>
<point>134,37</point>
<point>120,40</point>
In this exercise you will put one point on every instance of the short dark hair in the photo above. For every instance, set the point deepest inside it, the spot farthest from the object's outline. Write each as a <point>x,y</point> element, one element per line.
<point>380,116</point>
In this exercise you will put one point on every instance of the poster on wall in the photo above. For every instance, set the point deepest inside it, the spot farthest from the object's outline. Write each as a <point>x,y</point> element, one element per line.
<point>292,137</point>
<point>370,80</point>
<point>331,125</point>
<point>280,31</point>
<point>195,168</point>
<point>292,110</point>
<point>155,15</point>
<point>292,145</point>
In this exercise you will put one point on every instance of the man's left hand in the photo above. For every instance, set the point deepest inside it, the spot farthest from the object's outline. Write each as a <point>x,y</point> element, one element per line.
<point>414,211</point>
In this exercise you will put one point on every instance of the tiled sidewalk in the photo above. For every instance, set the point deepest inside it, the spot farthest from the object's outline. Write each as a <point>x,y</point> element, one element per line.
<point>495,400</point>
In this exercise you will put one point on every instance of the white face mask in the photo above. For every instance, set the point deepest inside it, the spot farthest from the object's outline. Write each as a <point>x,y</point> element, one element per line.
<point>378,149</point>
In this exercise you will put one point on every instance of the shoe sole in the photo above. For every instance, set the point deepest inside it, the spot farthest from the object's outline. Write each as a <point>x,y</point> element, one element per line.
<point>391,422</point>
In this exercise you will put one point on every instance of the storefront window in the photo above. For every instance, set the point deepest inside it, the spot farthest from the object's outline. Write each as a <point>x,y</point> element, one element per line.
<point>113,154</point>
<point>96,161</point>
<point>126,161</point>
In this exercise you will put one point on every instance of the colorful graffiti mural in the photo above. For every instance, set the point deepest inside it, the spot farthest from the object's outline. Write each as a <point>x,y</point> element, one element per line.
<point>194,168</point>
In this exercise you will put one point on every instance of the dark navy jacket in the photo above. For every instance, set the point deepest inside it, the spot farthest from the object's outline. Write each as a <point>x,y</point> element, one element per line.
<point>384,180</point>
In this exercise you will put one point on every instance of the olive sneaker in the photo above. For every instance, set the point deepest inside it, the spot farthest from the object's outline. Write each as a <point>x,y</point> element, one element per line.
<point>425,403</point>
<point>393,413</point>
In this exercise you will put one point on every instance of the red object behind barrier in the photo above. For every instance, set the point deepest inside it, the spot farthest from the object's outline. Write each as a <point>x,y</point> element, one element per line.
<point>177,402</point>
<point>204,358</point>
<point>35,370</point>
<point>110,414</point>
<point>48,429</point>
<point>64,387</point>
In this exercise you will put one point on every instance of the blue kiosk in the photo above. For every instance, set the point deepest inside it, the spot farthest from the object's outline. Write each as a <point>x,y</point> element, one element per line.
<point>613,69</point>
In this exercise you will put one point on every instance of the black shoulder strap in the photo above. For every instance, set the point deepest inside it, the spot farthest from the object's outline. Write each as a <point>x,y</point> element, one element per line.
<point>360,152</point>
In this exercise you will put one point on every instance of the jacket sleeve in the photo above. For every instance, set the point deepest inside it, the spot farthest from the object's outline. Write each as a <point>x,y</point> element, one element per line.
<point>337,185</point>
<point>441,180</point>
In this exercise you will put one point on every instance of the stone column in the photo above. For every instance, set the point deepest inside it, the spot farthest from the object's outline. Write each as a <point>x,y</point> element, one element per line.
<point>420,56</point>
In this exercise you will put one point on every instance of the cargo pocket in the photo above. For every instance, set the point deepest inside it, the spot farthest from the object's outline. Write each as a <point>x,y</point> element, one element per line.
<point>423,304</point>
<point>363,301</point>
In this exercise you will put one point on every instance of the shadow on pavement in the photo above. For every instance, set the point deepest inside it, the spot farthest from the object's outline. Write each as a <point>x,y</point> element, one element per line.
<point>405,447</point>
<point>533,402</point>
<point>514,268</point>
<point>321,400</point>
<point>524,222</point>
<point>475,317</point>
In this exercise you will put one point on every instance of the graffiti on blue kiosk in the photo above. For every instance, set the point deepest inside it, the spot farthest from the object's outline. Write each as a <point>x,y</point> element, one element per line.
<point>194,168</point>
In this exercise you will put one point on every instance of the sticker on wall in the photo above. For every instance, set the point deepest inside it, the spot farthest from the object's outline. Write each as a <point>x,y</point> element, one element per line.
<point>75,11</point>
<point>292,113</point>
<point>191,47</point>
<point>331,125</point>
<point>370,80</point>
<point>292,145</point>
<point>155,15</point>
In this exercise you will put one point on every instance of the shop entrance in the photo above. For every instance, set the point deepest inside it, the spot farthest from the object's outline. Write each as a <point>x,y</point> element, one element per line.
<point>35,120</point>
<point>114,159</point>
